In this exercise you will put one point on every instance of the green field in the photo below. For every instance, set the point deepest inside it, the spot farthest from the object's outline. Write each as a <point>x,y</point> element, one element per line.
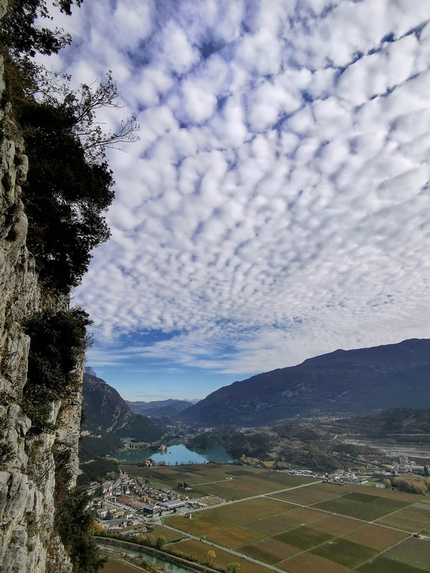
<point>270,551</point>
<point>304,537</point>
<point>297,525</point>
<point>344,552</point>
<point>413,551</point>
<point>384,565</point>
<point>361,506</point>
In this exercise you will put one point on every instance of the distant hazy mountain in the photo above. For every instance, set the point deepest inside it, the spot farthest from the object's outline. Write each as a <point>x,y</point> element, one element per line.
<point>108,418</point>
<point>353,381</point>
<point>169,408</point>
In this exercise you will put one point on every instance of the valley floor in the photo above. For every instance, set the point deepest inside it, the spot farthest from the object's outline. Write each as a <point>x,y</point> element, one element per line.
<point>273,521</point>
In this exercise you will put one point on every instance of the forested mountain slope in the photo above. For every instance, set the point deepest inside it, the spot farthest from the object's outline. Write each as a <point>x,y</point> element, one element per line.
<point>342,382</point>
<point>107,418</point>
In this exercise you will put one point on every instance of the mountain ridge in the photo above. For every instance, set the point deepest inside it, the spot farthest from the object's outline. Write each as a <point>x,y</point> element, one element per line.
<point>169,408</point>
<point>341,382</point>
<point>108,418</point>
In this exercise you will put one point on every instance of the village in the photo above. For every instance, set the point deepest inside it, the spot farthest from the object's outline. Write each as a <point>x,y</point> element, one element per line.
<point>128,502</point>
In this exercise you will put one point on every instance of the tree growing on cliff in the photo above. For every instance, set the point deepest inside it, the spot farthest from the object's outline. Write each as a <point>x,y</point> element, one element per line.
<point>75,525</point>
<point>21,30</point>
<point>69,185</point>
<point>65,198</point>
<point>79,108</point>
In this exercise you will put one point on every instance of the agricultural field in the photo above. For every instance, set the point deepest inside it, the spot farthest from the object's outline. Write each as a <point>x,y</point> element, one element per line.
<point>234,537</point>
<point>308,562</point>
<point>365,506</point>
<point>300,525</point>
<point>168,534</point>
<point>412,518</point>
<point>379,538</point>
<point>413,552</point>
<point>308,496</point>
<point>410,556</point>
<point>228,482</point>
<point>221,558</point>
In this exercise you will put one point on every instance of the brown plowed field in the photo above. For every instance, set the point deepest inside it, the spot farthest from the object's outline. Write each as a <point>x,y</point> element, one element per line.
<point>335,524</point>
<point>276,524</point>
<point>379,538</point>
<point>308,495</point>
<point>270,550</point>
<point>246,511</point>
<point>198,525</point>
<point>308,563</point>
<point>234,537</point>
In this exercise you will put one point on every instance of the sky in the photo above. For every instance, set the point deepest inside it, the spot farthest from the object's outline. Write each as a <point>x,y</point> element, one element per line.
<point>277,205</point>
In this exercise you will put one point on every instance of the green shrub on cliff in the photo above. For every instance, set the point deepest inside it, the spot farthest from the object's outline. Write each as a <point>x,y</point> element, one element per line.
<point>64,197</point>
<point>69,185</point>
<point>75,525</point>
<point>56,339</point>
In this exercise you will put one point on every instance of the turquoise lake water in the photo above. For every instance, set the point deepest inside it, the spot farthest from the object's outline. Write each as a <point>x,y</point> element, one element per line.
<point>176,455</point>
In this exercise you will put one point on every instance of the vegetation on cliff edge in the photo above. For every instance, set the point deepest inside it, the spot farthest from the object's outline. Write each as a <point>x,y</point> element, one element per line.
<point>69,187</point>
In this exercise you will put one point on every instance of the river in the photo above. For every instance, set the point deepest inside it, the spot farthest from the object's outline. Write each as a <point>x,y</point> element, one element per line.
<point>118,551</point>
<point>167,567</point>
<point>176,455</point>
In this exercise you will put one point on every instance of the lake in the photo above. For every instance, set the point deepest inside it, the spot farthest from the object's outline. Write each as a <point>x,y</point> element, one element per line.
<point>177,455</point>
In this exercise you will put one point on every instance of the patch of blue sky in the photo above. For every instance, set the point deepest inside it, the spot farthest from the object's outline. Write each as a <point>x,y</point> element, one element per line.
<point>137,373</point>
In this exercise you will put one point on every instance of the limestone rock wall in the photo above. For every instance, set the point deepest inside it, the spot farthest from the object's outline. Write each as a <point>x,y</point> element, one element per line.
<point>28,543</point>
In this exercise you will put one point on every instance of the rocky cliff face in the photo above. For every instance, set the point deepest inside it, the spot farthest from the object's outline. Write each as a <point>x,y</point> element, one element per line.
<point>28,462</point>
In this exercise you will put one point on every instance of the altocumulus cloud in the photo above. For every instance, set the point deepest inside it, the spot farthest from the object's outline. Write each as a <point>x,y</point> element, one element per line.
<point>277,205</point>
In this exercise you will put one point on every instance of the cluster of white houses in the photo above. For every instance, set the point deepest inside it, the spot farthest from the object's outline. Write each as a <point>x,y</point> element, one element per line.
<point>409,467</point>
<point>127,502</point>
